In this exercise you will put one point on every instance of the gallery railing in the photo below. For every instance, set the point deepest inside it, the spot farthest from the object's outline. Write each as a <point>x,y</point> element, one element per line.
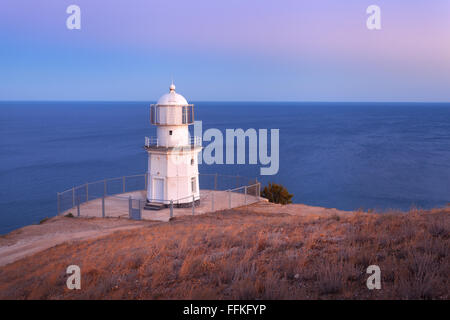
<point>154,142</point>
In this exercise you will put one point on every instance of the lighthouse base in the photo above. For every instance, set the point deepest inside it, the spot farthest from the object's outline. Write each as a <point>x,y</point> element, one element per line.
<point>154,206</point>
<point>158,206</point>
<point>186,204</point>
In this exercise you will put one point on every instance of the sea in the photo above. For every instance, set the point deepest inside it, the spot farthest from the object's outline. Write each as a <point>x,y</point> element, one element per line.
<point>380,156</point>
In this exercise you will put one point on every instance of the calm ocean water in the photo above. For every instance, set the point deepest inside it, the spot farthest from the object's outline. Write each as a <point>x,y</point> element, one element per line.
<point>342,155</point>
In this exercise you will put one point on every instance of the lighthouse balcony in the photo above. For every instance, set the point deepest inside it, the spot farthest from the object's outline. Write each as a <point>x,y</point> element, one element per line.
<point>154,143</point>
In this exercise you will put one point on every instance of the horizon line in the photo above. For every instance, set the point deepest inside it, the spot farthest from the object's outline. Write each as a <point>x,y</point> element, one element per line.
<point>232,101</point>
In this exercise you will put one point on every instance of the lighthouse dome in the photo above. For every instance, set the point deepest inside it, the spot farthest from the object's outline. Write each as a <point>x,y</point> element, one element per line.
<point>172,98</point>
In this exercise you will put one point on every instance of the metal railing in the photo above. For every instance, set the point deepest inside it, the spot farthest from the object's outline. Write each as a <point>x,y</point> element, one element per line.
<point>195,141</point>
<point>154,142</point>
<point>114,201</point>
<point>102,188</point>
<point>151,142</point>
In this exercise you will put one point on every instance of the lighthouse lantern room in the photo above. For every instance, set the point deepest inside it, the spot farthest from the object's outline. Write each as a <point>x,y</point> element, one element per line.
<point>172,155</point>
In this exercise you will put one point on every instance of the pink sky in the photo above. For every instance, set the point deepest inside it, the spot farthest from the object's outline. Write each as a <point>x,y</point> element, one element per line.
<point>321,49</point>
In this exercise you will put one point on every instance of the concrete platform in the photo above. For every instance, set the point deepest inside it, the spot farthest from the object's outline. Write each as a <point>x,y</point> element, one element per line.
<point>118,205</point>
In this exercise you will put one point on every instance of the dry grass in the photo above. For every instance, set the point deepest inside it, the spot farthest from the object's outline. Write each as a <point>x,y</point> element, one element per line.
<point>241,255</point>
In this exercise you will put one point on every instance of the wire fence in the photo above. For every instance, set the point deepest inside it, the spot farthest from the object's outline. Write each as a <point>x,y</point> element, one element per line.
<point>127,197</point>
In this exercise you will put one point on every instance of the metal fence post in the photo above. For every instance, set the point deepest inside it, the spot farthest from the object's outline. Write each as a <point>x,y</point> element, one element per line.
<point>193,205</point>
<point>87,192</point>
<point>73,197</point>
<point>259,191</point>
<point>140,213</point>
<point>215,181</point>
<point>105,191</point>
<point>78,206</point>
<point>171,209</point>
<point>245,195</point>
<point>103,206</point>
<point>229,199</point>
<point>58,202</point>
<point>123,184</point>
<point>146,180</point>
<point>130,206</point>
<point>212,201</point>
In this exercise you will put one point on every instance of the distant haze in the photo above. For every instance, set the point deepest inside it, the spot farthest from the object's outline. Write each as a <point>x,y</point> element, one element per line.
<point>259,50</point>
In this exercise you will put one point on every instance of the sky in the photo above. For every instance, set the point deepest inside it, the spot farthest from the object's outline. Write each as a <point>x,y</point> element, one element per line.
<point>225,50</point>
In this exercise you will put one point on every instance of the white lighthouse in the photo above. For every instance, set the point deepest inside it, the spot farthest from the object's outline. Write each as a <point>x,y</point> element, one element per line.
<point>172,155</point>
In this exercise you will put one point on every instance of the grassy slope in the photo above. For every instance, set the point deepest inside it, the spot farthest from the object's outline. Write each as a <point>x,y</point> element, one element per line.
<point>244,255</point>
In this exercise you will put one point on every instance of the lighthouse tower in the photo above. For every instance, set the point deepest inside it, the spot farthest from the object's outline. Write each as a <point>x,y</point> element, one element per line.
<point>172,155</point>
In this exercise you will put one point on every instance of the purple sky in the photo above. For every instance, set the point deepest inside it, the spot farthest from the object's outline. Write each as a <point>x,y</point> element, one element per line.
<point>225,50</point>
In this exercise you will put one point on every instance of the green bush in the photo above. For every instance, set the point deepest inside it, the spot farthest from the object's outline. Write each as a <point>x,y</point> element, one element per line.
<point>69,215</point>
<point>276,193</point>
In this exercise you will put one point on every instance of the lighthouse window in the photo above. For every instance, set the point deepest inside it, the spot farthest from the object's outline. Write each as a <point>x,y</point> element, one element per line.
<point>170,132</point>
<point>193,185</point>
<point>187,114</point>
<point>192,161</point>
<point>155,115</point>
<point>184,115</point>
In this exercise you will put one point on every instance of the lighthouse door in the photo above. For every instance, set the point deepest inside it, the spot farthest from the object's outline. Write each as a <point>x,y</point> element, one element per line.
<point>158,187</point>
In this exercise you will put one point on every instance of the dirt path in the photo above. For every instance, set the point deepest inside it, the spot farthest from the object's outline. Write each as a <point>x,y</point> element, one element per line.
<point>34,238</point>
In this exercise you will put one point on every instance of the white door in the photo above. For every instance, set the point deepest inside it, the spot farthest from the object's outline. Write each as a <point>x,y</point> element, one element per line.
<point>158,187</point>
